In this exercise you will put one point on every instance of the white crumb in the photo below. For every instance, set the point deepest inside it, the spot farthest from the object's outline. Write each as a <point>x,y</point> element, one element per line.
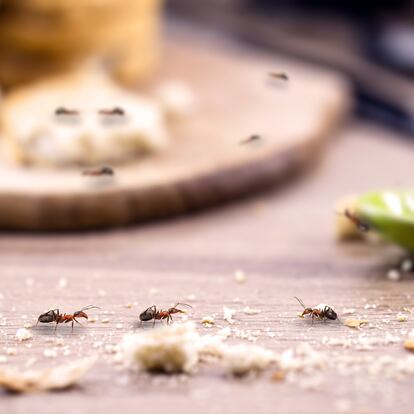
<point>243,358</point>
<point>176,98</point>
<point>370,306</point>
<point>50,353</point>
<point>105,320</point>
<point>406,265</point>
<point>119,326</point>
<point>251,311</point>
<point>228,314</point>
<point>239,276</point>
<point>348,311</point>
<point>394,275</point>
<point>169,349</point>
<point>11,351</point>
<point>3,359</point>
<point>23,334</point>
<point>63,282</point>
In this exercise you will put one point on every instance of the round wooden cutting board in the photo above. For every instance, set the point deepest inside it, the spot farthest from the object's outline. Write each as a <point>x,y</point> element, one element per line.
<point>205,164</point>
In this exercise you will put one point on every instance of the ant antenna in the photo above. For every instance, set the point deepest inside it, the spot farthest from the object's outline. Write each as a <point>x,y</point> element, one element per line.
<point>300,301</point>
<point>183,304</point>
<point>90,307</point>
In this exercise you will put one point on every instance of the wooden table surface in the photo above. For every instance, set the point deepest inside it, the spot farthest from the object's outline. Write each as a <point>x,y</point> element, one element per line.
<point>283,241</point>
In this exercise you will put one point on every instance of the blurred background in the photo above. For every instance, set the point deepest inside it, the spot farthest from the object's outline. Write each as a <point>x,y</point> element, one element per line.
<point>370,42</point>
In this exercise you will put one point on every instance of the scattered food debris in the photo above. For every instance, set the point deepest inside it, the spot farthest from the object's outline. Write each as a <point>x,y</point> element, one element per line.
<point>348,311</point>
<point>278,375</point>
<point>228,314</point>
<point>105,320</point>
<point>240,277</point>
<point>170,349</point>
<point>402,318</point>
<point>56,378</point>
<point>63,282</point>
<point>208,321</point>
<point>50,353</point>
<point>23,334</point>
<point>370,306</point>
<point>242,359</point>
<point>251,311</point>
<point>355,323</point>
<point>394,275</point>
<point>409,345</point>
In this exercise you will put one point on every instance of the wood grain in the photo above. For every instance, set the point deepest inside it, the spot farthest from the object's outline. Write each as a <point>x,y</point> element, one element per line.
<point>284,243</point>
<point>205,165</point>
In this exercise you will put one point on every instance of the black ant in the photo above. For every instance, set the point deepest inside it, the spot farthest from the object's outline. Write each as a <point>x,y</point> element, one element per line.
<point>104,170</point>
<point>114,111</point>
<point>54,315</point>
<point>251,138</point>
<point>153,314</point>
<point>360,224</point>
<point>61,110</point>
<point>321,311</point>
<point>279,75</point>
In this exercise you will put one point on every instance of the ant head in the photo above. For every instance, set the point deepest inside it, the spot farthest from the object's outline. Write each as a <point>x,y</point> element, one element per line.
<point>148,314</point>
<point>331,314</point>
<point>47,317</point>
<point>107,170</point>
<point>307,311</point>
<point>80,314</point>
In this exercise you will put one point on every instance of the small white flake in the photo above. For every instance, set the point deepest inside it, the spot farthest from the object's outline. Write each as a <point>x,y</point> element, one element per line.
<point>23,334</point>
<point>50,353</point>
<point>239,276</point>
<point>11,351</point>
<point>119,326</point>
<point>228,314</point>
<point>105,320</point>
<point>63,282</point>
<point>394,275</point>
<point>406,265</point>
<point>348,311</point>
<point>370,306</point>
<point>3,359</point>
<point>251,311</point>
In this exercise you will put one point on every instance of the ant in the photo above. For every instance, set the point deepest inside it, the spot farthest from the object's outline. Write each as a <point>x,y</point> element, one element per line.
<point>153,314</point>
<point>114,111</point>
<point>54,315</point>
<point>321,311</point>
<point>104,170</point>
<point>61,110</point>
<point>251,138</point>
<point>360,224</point>
<point>279,75</point>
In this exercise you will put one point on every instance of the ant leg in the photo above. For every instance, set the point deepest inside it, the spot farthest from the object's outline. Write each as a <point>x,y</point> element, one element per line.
<point>153,323</point>
<point>56,325</point>
<point>72,325</point>
<point>171,319</point>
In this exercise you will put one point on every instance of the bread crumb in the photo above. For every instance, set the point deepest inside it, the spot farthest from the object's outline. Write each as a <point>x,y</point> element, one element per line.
<point>105,320</point>
<point>242,359</point>
<point>355,323</point>
<point>278,375</point>
<point>170,349</point>
<point>11,351</point>
<point>402,318</point>
<point>406,265</point>
<point>63,282</point>
<point>208,321</point>
<point>240,277</point>
<point>348,311</point>
<point>129,305</point>
<point>119,326</point>
<point>409,345</point>
<point>50,353</point>
<point>228,314</point>
<point>394,275</point>
<point>251,311</point>
<point>23,334</point>
<point>3,359</point>
<point>55,378</point>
